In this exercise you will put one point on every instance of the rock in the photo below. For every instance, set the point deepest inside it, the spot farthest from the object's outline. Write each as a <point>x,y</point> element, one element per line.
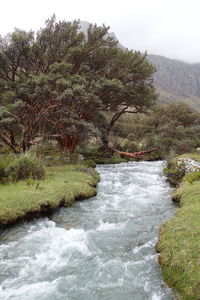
<point>80,157</point>
<point>176,198</point>
<point>189,164</point>
<point>64,159</point>
<point>198,150</point>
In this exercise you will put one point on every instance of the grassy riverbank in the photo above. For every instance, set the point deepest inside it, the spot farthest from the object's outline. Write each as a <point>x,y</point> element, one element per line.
<point>179,242</point>
<point>62,186</point>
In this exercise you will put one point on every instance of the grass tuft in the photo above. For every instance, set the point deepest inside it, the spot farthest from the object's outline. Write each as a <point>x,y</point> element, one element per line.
<point>179,242</point>
<point>63,185</point>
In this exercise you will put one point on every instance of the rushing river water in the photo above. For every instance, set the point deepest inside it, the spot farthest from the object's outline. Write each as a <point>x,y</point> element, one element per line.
<point>98,249</point>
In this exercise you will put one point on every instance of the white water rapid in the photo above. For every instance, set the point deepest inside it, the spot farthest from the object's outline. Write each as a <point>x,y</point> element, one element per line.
<point>102,248</point>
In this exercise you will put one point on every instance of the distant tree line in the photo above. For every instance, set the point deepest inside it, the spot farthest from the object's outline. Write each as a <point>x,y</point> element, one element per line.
<point>60,84</point>
<point>172,127</point>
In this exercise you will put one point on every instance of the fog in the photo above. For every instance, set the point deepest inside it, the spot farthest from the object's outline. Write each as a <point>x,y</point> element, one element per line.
<point>169,28</point>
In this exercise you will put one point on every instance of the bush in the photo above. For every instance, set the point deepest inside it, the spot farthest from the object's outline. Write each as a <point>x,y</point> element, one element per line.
<point>131,147</point>
<point>3,171</point>
<point>4,168</point>
<point>173,126</point>
<point>195,176</point>
<point>26,166</point>
<point>174,172</point>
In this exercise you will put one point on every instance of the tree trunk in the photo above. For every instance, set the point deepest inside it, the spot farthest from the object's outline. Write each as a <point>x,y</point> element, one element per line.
<point>105,143</point>
<point>105,137</point>
<point>67,143</point>
<point>10,142</point>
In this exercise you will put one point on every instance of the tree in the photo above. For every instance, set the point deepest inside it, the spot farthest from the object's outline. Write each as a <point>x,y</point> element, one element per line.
<point>60,83</point>
<point>173,126</point>
<point>28,96</point>
<point>14,63</point>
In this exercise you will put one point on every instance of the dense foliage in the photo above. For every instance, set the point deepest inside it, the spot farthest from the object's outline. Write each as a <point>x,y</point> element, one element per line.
<point>59,83</point>
<point>13,168</point>
<point>167,127</point>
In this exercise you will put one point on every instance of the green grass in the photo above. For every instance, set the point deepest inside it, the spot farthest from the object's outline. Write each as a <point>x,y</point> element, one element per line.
<point>179,243</point>
<point>63,183</point>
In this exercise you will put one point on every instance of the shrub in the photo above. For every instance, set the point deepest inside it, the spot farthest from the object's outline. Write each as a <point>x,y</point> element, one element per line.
<point>4,168</point>
<point>131,147</point>
<point>3,171</point>
<point>174,172</point>
<point>26,166</point>
<point>195,176</point>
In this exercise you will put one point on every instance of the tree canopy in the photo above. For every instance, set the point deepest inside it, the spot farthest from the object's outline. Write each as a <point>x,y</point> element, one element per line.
<point>168,127</point>
<point>60,83</point>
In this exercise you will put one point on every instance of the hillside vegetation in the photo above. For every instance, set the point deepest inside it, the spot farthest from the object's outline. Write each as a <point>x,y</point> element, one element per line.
<point>171,127</point>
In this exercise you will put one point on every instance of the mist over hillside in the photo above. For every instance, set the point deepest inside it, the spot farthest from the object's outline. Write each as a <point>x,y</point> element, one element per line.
<point>174,80</point>
<point>176,76</point>
<point>177,80</point>
<point>84,27</point>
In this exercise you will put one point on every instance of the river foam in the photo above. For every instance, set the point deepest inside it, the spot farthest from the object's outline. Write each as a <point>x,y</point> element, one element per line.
<point>99,249</point>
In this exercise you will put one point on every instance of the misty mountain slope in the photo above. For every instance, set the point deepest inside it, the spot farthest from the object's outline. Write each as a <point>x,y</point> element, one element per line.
<point>84,27</point>
<point>176,80</point>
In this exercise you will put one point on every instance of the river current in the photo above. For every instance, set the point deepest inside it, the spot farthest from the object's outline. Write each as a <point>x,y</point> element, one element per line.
<point>102,248</point>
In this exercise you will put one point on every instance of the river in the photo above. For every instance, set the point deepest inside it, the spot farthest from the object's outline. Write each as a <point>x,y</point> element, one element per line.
<point>102,248</point>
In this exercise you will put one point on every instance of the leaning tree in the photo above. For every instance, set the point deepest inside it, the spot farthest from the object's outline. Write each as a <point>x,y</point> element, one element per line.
<point>132,74</point>
<point>59,83</point>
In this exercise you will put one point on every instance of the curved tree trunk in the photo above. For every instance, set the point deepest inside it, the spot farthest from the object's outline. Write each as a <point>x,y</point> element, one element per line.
<point>116,116</point>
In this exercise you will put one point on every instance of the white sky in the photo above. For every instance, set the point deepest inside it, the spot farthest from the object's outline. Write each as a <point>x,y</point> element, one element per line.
<point>165,27</point>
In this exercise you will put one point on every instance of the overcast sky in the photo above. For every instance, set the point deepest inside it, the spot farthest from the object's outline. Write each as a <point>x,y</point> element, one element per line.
<point>165,27</point>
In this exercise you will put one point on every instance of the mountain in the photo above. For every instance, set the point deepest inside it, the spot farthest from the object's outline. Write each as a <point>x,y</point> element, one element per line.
<point>84,27</point>
<point>176,80</point>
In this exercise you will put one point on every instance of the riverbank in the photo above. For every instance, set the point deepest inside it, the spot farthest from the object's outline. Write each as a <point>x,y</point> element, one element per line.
<point>65,182</point>
<point>110,238</point>
<point>63,185</point>
<point>179,238</point>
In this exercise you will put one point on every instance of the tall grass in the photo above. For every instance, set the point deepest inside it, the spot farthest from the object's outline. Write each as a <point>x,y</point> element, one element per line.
<point>15,168</point>
<point>26,166</point>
